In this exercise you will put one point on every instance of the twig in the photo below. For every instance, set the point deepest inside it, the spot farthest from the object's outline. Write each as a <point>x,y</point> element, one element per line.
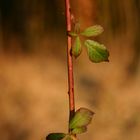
<point>70,62</point>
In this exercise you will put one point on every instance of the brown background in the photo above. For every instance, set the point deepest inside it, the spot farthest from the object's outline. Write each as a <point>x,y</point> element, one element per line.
<point>33,69</point>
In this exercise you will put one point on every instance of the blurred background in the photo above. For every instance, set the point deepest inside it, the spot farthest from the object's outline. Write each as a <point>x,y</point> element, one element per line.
<point>33,69</point>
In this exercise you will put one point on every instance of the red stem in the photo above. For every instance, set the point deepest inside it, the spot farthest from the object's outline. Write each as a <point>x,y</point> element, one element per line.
<point>70,62</point>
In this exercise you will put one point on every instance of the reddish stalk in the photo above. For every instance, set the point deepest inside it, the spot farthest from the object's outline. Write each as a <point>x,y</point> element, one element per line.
<point>70,62</point>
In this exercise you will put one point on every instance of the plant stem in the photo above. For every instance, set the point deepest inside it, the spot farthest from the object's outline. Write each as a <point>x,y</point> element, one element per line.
<point>70,62</point>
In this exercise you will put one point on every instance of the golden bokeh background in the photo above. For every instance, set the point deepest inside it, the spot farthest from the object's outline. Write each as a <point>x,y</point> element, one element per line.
<point>33,69</point>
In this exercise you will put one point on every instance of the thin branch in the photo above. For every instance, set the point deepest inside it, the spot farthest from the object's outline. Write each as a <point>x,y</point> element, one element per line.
<point>70,62</point>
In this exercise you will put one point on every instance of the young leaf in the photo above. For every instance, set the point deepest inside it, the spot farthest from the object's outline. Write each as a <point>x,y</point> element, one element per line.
<point>92,31</point>
<point>77,48</point>
<point>96,52</point>
<point>55,136</point>
<point>77,27</point>
<point>69,137</point>
<point>73,34</point>
<point>81,118</point>
<point>79,130</point>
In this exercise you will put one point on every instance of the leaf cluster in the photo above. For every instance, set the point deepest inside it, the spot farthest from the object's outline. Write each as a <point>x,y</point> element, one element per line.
<point>78,124</point>
<point>96,52</point>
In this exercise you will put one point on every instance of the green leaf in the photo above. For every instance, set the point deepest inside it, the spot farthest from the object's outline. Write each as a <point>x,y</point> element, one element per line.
<point>81,118</point>
<point>79,130</point>
<point>70,137</point>
<point>73,34</point>
<point>55,136</point>
<point>76,48</point>
<point>96,52</point>
<point>92,31</point>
